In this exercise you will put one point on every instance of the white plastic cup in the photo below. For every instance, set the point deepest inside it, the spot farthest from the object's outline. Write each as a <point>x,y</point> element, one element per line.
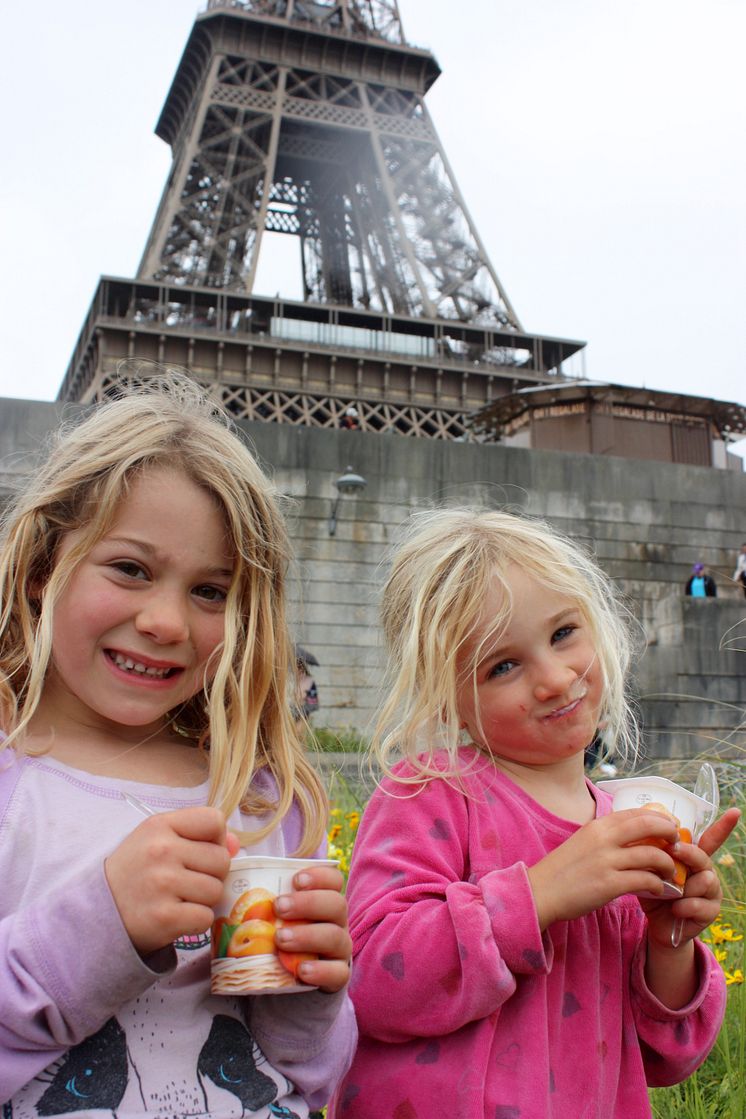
<point>245,958</point>
<point>689,810</point>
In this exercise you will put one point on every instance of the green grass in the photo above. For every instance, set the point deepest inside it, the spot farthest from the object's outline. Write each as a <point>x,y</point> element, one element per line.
<point>336,741</point>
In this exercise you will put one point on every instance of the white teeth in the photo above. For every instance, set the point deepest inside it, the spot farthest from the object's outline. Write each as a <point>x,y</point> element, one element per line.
<point>135,666</point>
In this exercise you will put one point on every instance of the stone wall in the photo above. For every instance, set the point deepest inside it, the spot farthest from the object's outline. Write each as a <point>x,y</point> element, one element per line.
<point>647,522</point>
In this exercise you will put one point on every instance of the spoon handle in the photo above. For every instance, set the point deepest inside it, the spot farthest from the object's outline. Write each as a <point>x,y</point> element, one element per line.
<point>140,805</point>
<point>706,786</point>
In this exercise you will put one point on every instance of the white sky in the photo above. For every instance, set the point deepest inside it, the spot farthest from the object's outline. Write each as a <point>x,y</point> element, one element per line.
<point>599,147</point>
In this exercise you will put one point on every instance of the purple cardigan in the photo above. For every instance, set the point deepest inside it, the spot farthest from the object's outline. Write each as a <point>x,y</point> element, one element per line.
<point>86,1023</point>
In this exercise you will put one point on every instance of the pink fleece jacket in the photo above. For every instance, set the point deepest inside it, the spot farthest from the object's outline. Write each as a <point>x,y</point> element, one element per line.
<point>464,1008</point>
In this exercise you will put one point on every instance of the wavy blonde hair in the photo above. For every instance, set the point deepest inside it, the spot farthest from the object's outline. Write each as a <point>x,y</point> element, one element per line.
<point>432,606</point>
<point>241,719</point>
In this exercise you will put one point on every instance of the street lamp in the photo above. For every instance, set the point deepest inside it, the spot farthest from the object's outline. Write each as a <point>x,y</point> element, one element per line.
<point>347,483</point>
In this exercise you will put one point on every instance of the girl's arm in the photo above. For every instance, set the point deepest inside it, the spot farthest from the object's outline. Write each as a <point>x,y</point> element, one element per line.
<point>678,994</point>
<point>672,973</point>
<point>433,951</point>
<point>311,1038</point>
<point>675,1042</point>
<point>66,966</point>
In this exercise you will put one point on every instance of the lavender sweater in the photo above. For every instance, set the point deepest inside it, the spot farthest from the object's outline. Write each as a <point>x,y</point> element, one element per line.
<point>464,1008</point>
<point>86,1027</point>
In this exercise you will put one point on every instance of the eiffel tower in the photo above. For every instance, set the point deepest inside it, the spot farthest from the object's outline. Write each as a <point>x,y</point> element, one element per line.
<point>307,118</point>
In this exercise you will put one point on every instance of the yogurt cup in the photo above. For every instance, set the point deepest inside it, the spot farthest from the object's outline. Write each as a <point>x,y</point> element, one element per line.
<point>244,956</point>
<point>689,810</point>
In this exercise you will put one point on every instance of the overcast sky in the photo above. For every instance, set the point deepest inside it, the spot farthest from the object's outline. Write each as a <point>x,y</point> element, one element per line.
<point>599,147</point>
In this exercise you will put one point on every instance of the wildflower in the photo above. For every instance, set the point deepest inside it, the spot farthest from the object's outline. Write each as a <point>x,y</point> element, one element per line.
<point>726,859</point>
<point>721,933</point>
<point>335,812</point>
<point>732,977</point>
<point>334,832</point>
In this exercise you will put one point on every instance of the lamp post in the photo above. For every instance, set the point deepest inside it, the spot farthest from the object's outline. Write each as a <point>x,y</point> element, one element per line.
<point>347,483</point>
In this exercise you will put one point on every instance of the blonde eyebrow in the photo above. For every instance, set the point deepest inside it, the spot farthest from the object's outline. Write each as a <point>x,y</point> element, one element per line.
<point>148,549</point>
<point>501,650</point>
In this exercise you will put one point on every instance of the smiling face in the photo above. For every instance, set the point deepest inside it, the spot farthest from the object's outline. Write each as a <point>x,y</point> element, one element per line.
<point>135,628</point>
<point>538,691</point>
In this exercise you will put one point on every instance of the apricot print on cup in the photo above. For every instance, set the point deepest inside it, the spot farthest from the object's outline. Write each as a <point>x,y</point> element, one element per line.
<point>245,958</point>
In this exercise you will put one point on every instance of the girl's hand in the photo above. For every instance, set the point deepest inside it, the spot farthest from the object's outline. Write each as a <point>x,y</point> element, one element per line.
<point>167,875</point>
<point>317,899</point>
<point>703,893</point>
<point>597,864</point>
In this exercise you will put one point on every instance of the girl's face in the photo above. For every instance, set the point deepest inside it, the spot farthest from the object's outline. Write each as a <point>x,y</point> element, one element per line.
<point>538,687</point>
<point>136,625</point>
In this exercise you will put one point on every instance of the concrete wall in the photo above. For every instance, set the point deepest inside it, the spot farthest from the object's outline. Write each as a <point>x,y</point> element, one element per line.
<point>647,522</point>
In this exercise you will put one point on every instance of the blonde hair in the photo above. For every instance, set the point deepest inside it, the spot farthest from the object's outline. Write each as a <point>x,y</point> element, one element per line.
<point>432,606</point>
<point>242,717</point>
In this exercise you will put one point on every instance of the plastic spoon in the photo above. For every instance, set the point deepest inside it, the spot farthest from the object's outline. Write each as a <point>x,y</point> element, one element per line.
<point>140,805</point>
<point>145,809</point>
<point>706,786</point>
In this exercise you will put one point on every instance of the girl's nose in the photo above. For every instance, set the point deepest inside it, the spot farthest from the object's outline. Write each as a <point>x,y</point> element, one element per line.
<point>163,619</point>
<point>554,679</point>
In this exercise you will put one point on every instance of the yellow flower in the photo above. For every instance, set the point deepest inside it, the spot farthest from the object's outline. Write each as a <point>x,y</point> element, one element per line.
<point>721,955</point>
<point>722,933</point>
<point>733,977</point>
<point>335,812</point>
<point>727,859</point>
<point>334,832</point>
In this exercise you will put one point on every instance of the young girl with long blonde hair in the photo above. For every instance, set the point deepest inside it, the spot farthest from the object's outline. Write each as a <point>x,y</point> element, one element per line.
<point>504,966</point>
<point>144,700</point>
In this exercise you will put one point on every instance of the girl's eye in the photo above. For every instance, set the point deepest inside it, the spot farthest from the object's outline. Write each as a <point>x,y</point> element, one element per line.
<point>501,669</point>
<point>563,632</point>
<point>211,593</point>
<point>130,568</point>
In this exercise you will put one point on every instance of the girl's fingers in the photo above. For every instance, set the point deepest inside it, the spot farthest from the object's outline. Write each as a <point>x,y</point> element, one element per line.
<point>327,975</point>
<point>313,905</point>
<point>319,878</point>
<point>633,825</point>
<point>329,941</point>
<point>644,857</point>
<point>715,836</point>
<point>704,884</point>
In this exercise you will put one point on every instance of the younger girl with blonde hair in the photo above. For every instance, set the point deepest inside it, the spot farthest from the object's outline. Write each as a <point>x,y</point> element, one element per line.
<point>144,660</point>
<point>504,966</point>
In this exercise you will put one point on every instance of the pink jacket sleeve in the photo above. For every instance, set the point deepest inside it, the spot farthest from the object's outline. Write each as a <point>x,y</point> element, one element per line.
<point>675,1042</point>
<point>412,900</point>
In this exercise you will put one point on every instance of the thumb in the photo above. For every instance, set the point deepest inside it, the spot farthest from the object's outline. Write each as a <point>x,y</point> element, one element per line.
<point>232,843</point>
<point>718,832</point>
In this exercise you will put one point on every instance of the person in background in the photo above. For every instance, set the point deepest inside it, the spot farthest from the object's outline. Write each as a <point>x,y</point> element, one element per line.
<point>700,583</point>
<point>740,573</point>
<point>351,419</point>
<point>307,694</point>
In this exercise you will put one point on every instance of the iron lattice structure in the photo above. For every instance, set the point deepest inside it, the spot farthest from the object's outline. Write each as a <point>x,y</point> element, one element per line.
<point>307,118</point>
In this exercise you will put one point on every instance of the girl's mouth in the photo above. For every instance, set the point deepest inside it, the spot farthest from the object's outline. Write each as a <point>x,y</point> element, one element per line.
<point>568,708</point>
<point>137,668</point>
